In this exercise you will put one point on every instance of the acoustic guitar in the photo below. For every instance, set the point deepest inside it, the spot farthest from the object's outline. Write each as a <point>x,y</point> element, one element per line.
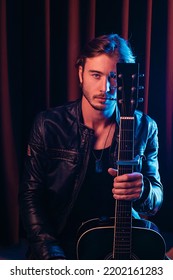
<point>122,237</point>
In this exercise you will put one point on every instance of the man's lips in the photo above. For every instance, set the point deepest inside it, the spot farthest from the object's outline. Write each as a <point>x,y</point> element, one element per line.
<point>106,98</point>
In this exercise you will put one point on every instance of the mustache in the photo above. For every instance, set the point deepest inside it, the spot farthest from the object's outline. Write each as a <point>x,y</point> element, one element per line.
<point>105,96</point>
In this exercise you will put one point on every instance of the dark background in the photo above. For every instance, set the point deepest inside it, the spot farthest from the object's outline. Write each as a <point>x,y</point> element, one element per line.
<point>39,42</point>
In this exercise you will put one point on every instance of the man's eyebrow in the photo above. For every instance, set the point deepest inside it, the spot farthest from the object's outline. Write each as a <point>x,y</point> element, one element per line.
<point>93,71</point>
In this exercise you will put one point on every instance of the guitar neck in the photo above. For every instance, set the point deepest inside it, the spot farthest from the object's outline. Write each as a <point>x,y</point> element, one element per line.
<point>123,208</point>
<point>126,144</point>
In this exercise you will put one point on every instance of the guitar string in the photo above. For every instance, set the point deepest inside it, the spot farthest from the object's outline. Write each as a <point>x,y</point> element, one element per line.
<point>126,131</point>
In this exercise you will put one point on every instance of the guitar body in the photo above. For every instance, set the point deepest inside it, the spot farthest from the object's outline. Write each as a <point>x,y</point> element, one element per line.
<point>95,241</point>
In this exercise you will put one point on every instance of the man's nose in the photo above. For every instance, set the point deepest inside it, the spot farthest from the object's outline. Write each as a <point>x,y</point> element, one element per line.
<point>105,87</point>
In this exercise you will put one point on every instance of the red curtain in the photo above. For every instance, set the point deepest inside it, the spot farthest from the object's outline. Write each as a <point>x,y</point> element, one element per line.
<point>8,153</point>
<point>169,85</point>
<point>39,43</point>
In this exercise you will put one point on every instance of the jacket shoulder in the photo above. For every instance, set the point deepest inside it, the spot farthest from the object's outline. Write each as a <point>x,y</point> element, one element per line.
<point>68,111</point>
<point>67,108</point>
<point>142,117</point>
<point>54,119</point>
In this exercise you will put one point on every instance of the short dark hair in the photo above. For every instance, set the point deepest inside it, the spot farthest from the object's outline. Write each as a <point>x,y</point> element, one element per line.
<point>111,44</point>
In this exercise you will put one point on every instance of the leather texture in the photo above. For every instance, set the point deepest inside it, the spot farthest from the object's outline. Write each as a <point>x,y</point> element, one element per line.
<point>55,167</point>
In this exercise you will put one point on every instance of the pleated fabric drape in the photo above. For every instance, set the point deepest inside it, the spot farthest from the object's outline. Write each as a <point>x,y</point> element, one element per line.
<point>169,87</point>
<point>39,44</point>
<point>9,165</point>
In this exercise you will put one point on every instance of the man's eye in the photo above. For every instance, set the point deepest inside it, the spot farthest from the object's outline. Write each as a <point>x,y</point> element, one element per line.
<point>96,76</point>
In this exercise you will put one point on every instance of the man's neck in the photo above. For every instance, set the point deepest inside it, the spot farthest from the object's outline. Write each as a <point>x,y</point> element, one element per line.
<point>94,118</point>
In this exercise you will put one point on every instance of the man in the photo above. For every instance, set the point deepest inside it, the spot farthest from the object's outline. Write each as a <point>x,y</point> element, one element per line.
<point>71,172</point>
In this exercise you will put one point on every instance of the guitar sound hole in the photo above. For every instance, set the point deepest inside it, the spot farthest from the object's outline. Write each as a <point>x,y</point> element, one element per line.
<point>110,257</point>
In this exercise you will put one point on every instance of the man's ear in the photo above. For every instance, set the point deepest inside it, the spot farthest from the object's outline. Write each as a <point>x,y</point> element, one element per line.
<point>80,73</point>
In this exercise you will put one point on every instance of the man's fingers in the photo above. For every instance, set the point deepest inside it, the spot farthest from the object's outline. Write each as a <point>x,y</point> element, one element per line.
<point>113,172</point>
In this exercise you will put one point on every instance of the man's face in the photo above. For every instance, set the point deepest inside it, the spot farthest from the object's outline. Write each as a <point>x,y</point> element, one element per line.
<point>98,79</point>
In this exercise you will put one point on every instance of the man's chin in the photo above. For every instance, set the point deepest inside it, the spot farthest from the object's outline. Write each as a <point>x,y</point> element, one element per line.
<point>100,106</point>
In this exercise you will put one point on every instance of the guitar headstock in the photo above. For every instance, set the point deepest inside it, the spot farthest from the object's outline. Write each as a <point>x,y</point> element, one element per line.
<point>127,87</point>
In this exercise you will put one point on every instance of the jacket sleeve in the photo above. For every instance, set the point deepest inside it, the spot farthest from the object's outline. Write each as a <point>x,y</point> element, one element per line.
<point>40,232</point>
<point>152,197</point>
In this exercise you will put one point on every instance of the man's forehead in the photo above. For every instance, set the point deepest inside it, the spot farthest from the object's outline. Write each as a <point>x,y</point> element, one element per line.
<point>102,58</point>
<point>102,64</point>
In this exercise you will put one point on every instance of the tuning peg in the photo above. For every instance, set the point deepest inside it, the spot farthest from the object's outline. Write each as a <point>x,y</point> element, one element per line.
<point>134,76</point>
<point>141,75</point>
<point>120,88</point>
<point>133,89</point>
<point>141,87</point>
<point>140,100</point>
<point>120,101</point>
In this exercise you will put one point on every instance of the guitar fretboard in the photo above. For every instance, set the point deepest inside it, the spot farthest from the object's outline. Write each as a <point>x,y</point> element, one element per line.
<point>123,209</point>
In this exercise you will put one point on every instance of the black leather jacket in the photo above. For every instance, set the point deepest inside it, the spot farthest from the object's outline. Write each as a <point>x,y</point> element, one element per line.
<point>56,163</point>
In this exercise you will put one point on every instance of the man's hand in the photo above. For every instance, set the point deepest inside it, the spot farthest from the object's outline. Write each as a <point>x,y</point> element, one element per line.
<point>127,186</point>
